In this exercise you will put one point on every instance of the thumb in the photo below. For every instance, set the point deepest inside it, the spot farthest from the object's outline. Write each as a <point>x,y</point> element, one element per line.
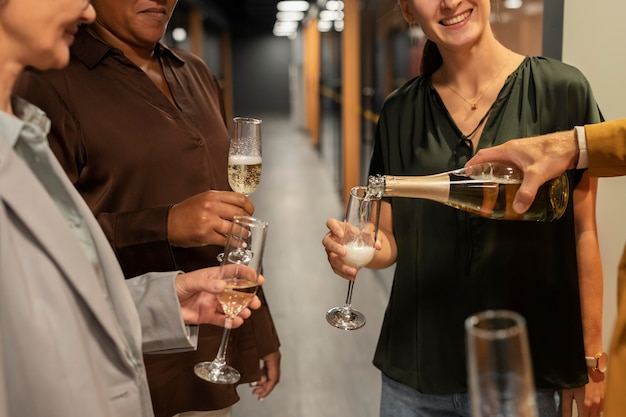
<point>215,285</point>
<point>199,280</point>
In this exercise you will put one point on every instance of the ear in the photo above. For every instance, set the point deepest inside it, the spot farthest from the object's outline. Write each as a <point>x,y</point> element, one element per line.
<point>406,11</point>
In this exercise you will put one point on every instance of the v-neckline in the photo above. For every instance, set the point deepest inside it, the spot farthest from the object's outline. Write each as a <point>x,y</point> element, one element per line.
<point>485,119</point>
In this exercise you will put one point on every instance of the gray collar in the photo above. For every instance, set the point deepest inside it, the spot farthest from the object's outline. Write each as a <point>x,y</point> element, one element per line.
<point>29,121</point>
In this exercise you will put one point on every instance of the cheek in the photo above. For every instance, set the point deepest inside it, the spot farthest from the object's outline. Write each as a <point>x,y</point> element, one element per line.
<point>424,16</point>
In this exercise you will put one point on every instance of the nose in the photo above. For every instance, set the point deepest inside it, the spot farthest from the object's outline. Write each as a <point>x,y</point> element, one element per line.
<point>88,15</point>
<point>450,4</point>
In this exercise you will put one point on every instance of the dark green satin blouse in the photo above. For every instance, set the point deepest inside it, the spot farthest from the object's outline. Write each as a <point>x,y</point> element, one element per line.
<point>451,264</point>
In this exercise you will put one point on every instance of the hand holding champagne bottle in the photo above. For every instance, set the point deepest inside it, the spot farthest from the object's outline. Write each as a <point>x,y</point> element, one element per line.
<point>487,189</point>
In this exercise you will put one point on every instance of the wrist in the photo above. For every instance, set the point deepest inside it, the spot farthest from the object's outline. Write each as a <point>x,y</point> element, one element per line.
<point>598,362</point>
<point>580,141</point>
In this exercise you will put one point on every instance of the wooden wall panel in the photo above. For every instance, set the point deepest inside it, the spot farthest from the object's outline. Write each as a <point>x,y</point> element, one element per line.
<point>351,97</point>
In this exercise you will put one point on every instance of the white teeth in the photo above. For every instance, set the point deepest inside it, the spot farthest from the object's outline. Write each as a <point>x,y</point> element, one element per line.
<point>456,19</point>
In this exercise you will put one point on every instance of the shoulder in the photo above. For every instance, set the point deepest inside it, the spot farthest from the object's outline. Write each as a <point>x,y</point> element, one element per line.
<point>550,69</point>
<point>35,85</point>
<point>190,59</point>
<point>187,56</point>
<point>407,93</point>
<point>193,64</point>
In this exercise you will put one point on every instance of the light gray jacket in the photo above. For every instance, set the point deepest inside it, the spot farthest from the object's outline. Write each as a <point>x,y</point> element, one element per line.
<point>71,343</point>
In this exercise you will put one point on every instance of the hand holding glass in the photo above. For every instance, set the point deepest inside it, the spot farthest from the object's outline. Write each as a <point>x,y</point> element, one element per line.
<point>240,268</point>
<point>360,232</point>
<point>500,376</point>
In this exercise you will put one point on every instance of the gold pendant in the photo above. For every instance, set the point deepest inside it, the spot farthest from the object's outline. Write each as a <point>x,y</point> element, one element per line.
<point>474,106</point>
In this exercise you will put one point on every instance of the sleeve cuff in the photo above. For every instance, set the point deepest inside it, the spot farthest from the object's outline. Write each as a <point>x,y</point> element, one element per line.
<point>583,159</point>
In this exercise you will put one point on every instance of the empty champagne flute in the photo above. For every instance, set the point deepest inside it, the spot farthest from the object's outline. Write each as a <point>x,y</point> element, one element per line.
<point>244,155</point>
<point>500,376</point>
<point>360,233</point>
<point>240,268</point>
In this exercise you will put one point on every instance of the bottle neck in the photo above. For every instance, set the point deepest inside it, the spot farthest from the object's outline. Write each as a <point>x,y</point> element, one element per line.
<point>432,187</point>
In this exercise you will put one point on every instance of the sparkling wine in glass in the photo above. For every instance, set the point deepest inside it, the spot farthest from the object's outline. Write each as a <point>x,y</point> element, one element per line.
<point>240,268</point>
<point>360,232</point>
<point>499,369</point>
<point>244,155</point>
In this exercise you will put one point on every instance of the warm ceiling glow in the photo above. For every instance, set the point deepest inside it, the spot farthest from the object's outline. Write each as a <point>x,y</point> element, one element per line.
<point>324,25</point>
<point>289,16</point>
<point>292,6</point>
<point>331,15</point>
<point>334,5</point>
<point>179,34</point>
<point>512,4</point>
<point>285,28</point>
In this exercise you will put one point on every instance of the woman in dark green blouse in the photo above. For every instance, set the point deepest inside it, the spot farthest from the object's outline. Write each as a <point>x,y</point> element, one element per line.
<point>475,93</point>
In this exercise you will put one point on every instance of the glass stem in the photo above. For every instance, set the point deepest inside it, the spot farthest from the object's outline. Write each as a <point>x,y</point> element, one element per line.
<point>346,312</point>
<point>221,353</point>
<point>348,303</point>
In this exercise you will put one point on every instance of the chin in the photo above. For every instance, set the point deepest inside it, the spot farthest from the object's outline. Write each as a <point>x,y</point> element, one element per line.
<point>57,61</point>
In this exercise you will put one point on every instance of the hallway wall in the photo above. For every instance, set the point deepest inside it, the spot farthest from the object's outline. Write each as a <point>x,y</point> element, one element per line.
<point>261,75</point>
<point>593,42</point>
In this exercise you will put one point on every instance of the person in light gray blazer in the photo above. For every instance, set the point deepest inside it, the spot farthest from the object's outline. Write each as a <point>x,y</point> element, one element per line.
<point>72,329</point>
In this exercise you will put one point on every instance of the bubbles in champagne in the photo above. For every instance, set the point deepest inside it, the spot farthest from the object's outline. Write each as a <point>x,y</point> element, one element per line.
<point>485,177</point>
<point>244,173</point>
<point>375,186</point>
<point>358,253</point>
<point>236,296</point>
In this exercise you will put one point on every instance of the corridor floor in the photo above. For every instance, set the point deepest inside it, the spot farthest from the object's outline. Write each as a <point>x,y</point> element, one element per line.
<point>326,372</point>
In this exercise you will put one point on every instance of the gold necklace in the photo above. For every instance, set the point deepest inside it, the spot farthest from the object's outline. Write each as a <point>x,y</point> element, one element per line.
<point>474,104</point>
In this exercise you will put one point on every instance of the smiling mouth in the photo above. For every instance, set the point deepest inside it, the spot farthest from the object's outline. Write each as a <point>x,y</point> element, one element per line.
<point>456,19</point>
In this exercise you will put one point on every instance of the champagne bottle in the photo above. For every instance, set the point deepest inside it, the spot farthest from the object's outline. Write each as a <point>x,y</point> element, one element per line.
<point>487,190</point>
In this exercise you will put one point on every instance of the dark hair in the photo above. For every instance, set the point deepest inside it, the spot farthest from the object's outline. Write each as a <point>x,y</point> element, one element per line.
<point>431,58</point>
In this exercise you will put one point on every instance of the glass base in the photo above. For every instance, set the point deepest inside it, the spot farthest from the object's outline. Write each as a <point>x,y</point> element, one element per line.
<point>345,318</point>
<point>238,256</point>
<point>216,374</point>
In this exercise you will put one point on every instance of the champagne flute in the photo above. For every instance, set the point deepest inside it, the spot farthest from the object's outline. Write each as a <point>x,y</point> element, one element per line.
<point>360,232</point>
<point>240,269</point>
<point>500,376</point>
<point>244,155</point>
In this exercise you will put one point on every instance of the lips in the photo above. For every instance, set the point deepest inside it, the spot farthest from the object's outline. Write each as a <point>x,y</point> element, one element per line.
<point>156,15</point>
<point>456,19</point>
<point>155,10</point>
<point>71,32</point>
